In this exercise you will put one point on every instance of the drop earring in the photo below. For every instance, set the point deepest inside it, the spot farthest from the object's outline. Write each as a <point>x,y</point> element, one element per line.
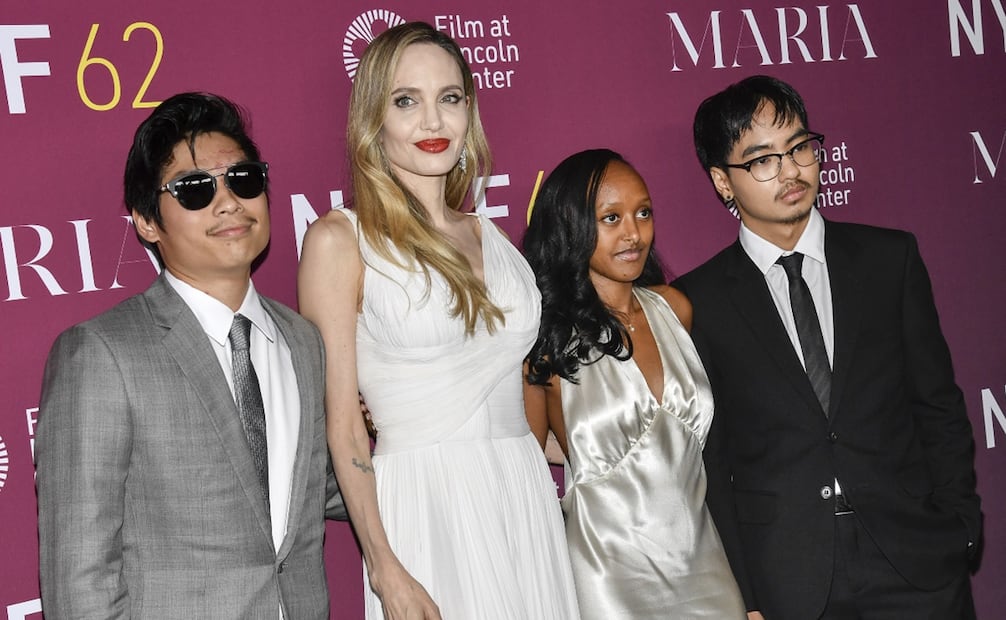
<point>463,160</point>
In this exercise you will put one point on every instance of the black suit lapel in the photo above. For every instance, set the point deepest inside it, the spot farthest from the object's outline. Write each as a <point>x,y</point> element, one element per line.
<point>750,294</point>
<point>846,299</point>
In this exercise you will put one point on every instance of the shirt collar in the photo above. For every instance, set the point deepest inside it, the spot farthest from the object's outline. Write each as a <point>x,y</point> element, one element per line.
<point>764,253</point>
<point>215,317</point>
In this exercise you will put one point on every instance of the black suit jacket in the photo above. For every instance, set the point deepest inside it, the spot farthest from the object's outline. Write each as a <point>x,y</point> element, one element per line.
<point>897,436</point>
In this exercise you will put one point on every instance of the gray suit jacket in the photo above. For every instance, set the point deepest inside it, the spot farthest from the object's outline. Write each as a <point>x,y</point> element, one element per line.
<point>149,506</point>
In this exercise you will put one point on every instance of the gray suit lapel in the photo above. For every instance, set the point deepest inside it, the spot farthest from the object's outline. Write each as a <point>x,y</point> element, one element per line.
<point>189,345</point>
<point>304,368</point>
<point>753,301</point>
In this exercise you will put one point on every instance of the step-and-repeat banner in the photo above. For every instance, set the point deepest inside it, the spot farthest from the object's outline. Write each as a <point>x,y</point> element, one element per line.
<point>911,96</point>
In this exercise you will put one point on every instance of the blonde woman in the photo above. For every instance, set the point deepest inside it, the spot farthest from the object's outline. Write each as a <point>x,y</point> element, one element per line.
<point>428,312</point>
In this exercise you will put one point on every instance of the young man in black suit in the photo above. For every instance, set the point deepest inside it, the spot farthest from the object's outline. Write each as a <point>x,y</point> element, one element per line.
<point>841,458</point>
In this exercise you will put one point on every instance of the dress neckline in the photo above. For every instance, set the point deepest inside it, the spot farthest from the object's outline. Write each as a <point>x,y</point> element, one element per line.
<point>639,377</point>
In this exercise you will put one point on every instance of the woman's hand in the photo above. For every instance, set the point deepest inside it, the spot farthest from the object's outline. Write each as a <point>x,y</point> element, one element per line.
<point>402,597</point>
<point>368,420</point>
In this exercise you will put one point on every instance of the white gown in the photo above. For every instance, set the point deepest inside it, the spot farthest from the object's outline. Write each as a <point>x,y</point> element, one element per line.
<point>464,491</point>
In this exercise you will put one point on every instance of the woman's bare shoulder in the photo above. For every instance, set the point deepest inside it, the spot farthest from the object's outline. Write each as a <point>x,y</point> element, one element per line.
<point>679,304</point>
<point>332,229</point>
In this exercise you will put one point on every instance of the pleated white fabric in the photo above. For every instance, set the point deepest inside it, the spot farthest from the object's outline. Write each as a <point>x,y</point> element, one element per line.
<point>464,491</point>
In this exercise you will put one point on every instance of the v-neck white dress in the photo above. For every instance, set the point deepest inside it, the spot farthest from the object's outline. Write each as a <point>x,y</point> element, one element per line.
<point>464,491</point>
<point>641,539</point>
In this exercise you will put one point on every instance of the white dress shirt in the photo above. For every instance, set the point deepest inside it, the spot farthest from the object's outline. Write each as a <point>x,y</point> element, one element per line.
<point>270,356</point>
<point>764,254</point>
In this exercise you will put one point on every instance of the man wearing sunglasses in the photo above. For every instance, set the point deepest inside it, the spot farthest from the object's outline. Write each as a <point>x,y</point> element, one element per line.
<point>840,460</point>
<point>183,470</point>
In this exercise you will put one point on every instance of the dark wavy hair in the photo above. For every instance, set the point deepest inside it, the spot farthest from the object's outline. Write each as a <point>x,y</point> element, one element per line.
<point>576,327</point>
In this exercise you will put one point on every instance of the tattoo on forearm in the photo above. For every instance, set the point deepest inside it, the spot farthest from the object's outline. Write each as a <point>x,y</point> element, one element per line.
<point>367,469</point>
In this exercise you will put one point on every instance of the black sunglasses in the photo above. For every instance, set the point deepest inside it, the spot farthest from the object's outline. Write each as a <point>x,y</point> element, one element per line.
<point>196,190</point>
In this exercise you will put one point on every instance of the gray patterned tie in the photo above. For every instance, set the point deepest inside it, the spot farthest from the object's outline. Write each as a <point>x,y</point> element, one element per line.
<point>249,399</point>
<point>808,328</point>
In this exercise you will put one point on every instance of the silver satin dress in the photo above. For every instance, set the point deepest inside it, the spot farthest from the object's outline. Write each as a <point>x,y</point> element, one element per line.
<point>641,539</point>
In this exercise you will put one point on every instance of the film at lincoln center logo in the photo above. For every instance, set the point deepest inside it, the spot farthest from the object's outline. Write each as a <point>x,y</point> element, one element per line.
<point>4,463</point>
<point>362,28</point>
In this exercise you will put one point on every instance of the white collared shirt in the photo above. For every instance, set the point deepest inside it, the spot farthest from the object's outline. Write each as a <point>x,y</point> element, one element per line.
<point>273,364</point>
<point>764,254</point>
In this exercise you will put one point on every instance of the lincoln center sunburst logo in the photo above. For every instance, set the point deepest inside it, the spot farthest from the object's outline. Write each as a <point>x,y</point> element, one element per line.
<point>362,28</point>
<point>4,463</point>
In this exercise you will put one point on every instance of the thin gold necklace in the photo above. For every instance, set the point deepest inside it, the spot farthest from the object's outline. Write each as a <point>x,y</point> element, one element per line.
<point>628,318</point>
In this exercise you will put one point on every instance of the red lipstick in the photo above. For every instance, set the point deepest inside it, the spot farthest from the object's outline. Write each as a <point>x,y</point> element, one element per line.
<point>435,145</point>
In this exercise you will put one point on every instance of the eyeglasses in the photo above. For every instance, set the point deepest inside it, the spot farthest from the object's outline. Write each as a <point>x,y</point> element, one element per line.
<point>768,166</point>
<point>196,190</point>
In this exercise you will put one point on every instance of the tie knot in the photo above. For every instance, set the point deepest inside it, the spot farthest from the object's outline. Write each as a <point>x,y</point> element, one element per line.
<point>792,264</point>
<point>240,333</point>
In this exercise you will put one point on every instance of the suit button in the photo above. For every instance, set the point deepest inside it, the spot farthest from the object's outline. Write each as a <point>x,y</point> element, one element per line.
<point>826,492</point>
<point>282,565</point>
<point>832,437</point>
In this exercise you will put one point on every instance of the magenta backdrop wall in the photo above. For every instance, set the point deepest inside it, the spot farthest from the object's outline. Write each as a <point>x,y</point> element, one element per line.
<point>910,95</point>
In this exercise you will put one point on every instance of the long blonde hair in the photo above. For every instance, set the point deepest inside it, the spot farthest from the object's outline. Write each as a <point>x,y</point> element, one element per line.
<point>391,215</point>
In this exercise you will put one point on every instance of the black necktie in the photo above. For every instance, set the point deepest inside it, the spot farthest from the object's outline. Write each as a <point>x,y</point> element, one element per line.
<point>808,329</point>
<point>249,399</point>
